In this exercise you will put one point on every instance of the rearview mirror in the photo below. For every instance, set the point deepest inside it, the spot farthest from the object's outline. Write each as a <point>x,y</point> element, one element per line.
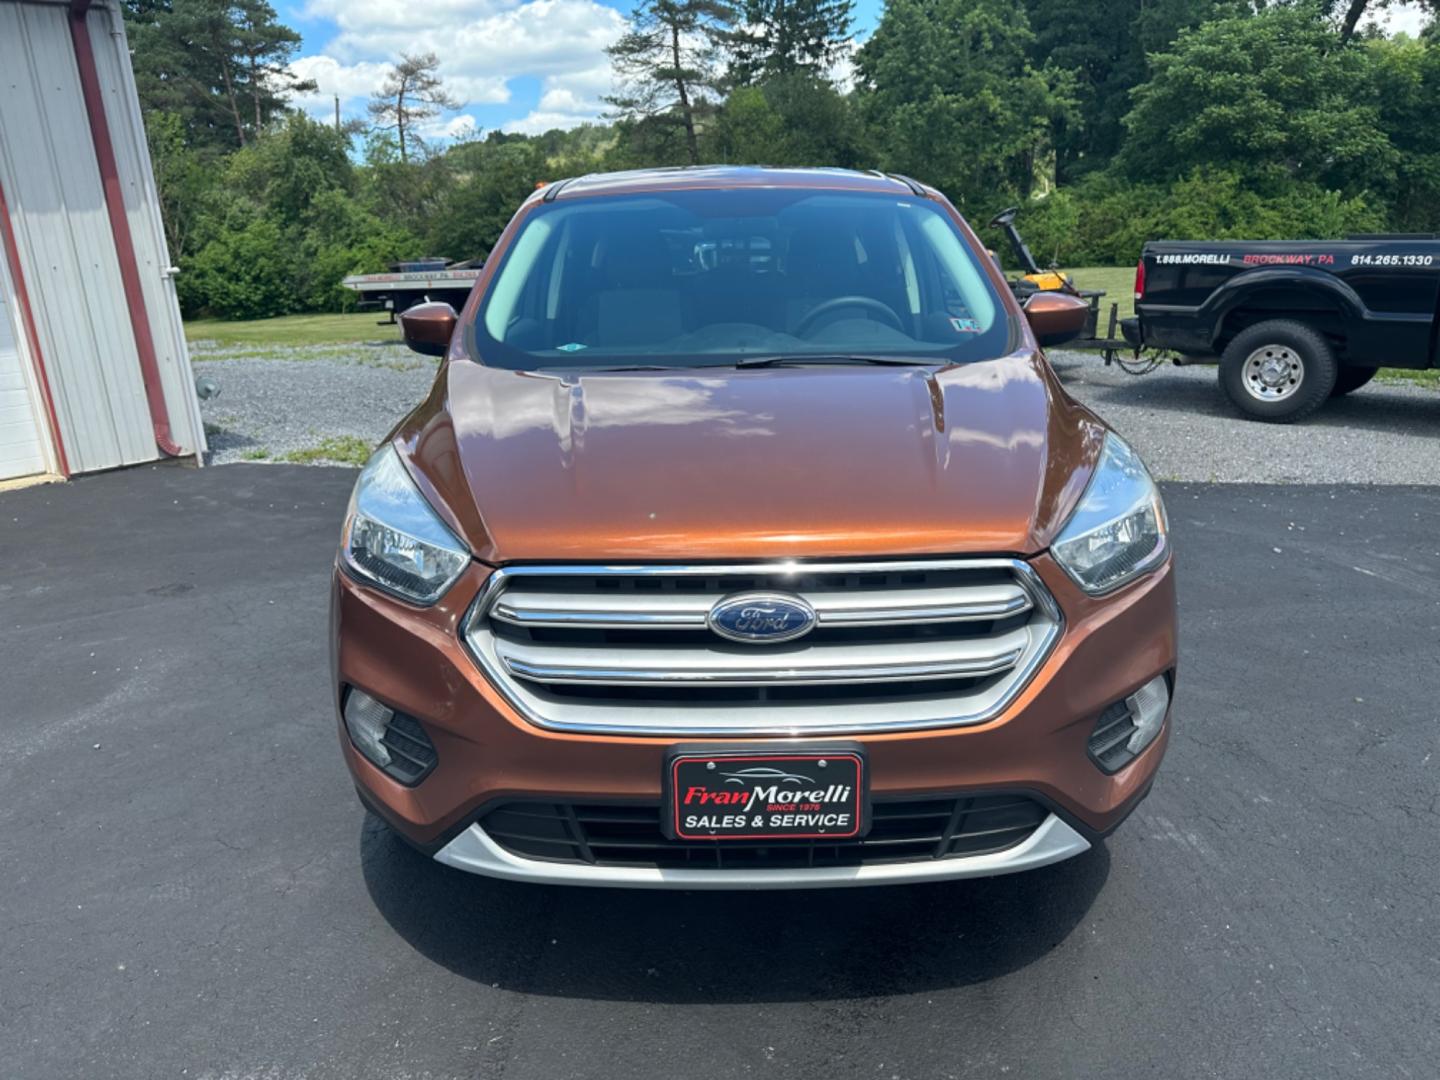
<point>1056,317</point>
<point>428,327</point>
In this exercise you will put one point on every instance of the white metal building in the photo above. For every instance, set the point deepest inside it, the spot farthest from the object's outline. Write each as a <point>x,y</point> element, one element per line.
<point>94,372</point>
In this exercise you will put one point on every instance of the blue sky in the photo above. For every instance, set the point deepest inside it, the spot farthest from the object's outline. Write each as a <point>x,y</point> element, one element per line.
<point>522,65</point>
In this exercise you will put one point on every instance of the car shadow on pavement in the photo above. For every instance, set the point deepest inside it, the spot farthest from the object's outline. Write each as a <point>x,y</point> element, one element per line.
<point>741,947</point>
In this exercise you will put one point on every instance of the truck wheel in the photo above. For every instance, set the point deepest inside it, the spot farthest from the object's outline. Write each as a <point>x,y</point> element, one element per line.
<point>1351,379</point>
<point>1278,371</point>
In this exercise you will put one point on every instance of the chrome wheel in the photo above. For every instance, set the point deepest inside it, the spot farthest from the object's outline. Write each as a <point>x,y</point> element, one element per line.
<point>1272,373</point>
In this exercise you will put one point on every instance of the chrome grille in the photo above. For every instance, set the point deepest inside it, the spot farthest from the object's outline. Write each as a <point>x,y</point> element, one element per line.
<point>627,649</point>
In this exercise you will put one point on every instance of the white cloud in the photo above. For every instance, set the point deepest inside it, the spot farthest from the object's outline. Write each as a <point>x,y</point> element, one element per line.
<point>460,126</point>
<point>482,45</point>
<point>566,101</point>
<point>538,122</point>
<point>332,78</point>
<point>1402,18</point>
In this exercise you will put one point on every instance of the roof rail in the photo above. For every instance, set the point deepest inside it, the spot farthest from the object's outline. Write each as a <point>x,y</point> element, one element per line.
<point>554,189</point>
<point>915,186</point>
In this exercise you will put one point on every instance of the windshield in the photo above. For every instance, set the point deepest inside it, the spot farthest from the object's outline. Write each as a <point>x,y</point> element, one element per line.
<point>697,278</point>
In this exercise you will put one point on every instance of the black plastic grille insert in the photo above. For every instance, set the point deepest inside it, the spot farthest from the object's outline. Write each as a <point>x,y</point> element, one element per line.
<point>1109,743</point>
<point>412,754</point>
<point>906,830</point>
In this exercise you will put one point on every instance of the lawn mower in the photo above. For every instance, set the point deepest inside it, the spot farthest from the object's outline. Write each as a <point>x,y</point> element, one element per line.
<point>1036,280</point>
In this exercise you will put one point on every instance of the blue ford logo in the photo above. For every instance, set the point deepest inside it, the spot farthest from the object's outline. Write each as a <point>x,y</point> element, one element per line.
<point>762,617</point>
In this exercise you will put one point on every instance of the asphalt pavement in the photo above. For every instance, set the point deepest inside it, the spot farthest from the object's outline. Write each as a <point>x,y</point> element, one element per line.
<point>190,888</point>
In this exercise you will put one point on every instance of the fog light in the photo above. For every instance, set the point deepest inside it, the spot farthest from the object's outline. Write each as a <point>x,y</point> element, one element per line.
<point>366,720</point>
<point>392,742</point>
<point>1130,725</point>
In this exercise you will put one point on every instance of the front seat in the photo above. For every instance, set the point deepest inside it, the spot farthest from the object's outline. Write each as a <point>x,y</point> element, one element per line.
<point>637,304</point>
<point>820,265</point>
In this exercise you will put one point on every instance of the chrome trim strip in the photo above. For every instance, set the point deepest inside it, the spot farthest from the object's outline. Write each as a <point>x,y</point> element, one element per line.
<point>743,675</point>
<point>651,612</point>
<point>474,851</point>
<point>783,567</point>
<point>937,614</point>
<point>779,726</point>
<point>596,620</point>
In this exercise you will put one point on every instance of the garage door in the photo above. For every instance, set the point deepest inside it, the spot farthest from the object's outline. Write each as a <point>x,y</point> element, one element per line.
<point>21,451</point>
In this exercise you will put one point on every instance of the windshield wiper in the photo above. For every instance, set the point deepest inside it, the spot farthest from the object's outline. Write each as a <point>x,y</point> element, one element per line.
<point>597,370</point>
<point>837,358</point>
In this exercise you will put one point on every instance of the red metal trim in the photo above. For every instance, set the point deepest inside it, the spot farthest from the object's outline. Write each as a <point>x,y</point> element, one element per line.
<point>120,228</point>
<point>27,315</point>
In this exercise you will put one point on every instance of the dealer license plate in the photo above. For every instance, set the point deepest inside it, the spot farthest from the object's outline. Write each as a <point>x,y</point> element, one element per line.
<point>733,794</point>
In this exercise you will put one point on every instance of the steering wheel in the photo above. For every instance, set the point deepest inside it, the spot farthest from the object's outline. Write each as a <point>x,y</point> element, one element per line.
<point>869,303</point>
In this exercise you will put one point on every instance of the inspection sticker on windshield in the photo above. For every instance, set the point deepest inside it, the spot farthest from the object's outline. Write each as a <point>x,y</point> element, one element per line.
<point>574,346</point>
<point>727,794</point>
<point>965,326</point>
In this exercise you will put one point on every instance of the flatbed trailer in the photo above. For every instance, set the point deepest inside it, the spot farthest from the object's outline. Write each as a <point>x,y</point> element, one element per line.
<point>400,290</point>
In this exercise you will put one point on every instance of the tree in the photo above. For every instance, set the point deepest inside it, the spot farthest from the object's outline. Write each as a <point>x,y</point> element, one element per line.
<point>182,180</point>
<point>1350,12</point>
<point>668,62</point>
<point>404,193</point>
<point>266,47</point>
<point>223,65</point>
<point>1271,96</point>
<point>283,173</point>
<point>1406,74</point>
<point>412,92</point>
<point>780,38</point>
<point>497,176</point>
<point>1104,44</point>
<point>952,98</point>
<point>790,120</point>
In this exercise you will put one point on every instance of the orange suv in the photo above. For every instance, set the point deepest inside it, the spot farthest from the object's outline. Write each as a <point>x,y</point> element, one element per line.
<point>747,540</point>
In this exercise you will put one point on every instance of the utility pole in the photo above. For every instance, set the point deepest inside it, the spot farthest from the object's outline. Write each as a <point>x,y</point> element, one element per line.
<point>337,112</point>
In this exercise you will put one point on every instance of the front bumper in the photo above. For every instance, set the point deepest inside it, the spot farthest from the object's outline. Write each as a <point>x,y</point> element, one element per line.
<point>412,660</point>
<point>473,850</point>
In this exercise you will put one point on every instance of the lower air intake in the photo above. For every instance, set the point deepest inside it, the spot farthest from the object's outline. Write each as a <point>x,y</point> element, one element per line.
<point>908,830</point>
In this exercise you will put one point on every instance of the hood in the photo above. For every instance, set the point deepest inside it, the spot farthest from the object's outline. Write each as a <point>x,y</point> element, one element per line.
<point>986,457</point>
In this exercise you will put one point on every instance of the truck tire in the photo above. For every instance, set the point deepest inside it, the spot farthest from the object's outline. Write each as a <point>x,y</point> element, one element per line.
<point>1351,379</point>
<point>1278,371</point>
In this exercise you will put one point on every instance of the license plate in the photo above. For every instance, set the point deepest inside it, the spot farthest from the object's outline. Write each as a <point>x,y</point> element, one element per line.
<point>751,795</point>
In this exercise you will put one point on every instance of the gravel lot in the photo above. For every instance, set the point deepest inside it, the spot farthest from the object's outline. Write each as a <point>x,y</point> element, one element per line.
<point>277,403</point>
<point>1182,424</point>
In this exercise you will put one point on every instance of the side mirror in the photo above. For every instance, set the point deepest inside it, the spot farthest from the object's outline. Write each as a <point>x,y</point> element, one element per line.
<point>1056,317</point>
<point>428,327</point>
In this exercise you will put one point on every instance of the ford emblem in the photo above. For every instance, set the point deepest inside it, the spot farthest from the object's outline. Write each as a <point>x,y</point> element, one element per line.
<point>767,618</point>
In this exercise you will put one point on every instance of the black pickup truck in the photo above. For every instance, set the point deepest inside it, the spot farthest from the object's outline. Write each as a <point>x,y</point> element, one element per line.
<point>1291,323</point>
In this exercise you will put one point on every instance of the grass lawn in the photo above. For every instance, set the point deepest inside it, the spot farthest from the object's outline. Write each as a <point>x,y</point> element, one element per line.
<point>347,449</point>
<point>294,330</point>
<point>1118,282</point>
<point>1428,377</point>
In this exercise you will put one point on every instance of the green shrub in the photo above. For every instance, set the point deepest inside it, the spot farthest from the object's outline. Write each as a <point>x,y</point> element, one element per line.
<point>242,274</point>
<point>1104,222</point>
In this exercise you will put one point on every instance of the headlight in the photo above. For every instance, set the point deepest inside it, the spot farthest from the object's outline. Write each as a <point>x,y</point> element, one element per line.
<point>1119,530</point>
<point>394,539</point>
